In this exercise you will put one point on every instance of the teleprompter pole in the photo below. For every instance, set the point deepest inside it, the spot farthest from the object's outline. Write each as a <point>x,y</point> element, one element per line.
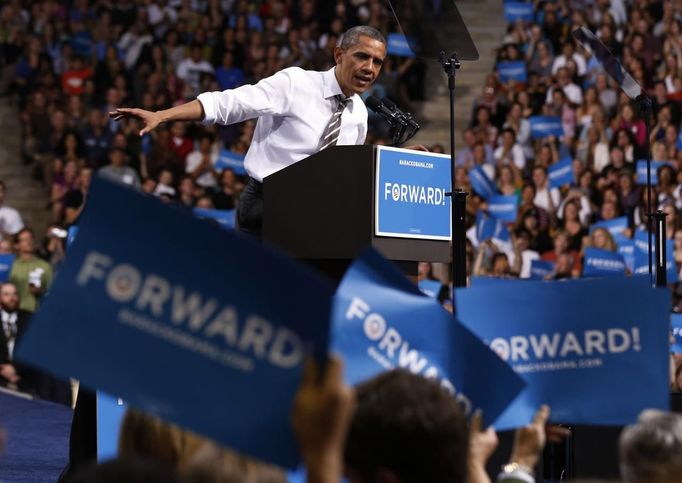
<point>661,255</point>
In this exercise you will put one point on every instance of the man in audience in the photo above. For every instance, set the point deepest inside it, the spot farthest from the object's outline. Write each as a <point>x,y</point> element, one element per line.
<point>651,449</point>
<point>31,275</point>
<point>14,322</point>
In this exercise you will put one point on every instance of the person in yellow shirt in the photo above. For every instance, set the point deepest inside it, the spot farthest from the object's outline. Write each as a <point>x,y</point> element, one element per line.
<point>31,275</point>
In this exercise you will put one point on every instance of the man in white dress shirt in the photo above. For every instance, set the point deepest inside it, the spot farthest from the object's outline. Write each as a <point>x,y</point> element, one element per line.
<point>298,113</point>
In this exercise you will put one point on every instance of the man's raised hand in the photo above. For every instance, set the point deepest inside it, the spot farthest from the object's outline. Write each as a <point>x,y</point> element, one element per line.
<point>149,119</point>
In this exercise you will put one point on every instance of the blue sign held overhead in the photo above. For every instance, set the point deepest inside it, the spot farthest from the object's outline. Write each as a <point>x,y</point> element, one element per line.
<point>641,171</point>
<point>398,44</point>
<point>225,218</point>
<point>626,248</point>
<point>616,227</point>
<point>488,227</point>
<point>481,184</point>
<point>603,263</point>
<point>676,325</point>
<point>430,287</point>
<point>139,284</point>
<point>543,126</point>
<point>504,208</point>
<point>6,262</point>
<point>110,413</point>
<point>642,256</point>
<point>230,160</point>
<point>539,269</point>
<point>570,352</point>
<point>512,70</point>
<point>373,329</point>
<point>561,173</point>
<point>514,11</point>
<point>411,199</point>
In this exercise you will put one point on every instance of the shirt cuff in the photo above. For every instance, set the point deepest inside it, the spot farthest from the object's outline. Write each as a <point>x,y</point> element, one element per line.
<point>207,102</point>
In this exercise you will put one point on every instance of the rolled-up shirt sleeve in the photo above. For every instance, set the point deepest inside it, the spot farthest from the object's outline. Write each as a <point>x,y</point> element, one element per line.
<point>271,96</point>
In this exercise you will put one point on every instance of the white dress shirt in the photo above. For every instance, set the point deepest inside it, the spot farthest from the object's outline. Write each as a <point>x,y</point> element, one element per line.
<point>293,108</point>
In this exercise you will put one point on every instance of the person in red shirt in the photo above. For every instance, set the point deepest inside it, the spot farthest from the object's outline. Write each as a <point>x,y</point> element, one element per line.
<point>179,143</point>
<point>561,247</point>
<point>73,78</point>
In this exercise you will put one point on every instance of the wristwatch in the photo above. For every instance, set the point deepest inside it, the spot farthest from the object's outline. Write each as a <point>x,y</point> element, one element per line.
<point>514,467</point>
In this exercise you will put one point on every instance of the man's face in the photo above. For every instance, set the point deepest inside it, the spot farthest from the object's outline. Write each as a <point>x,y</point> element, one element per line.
<point>358,66</point>
<point>25,242</point>
<point>9,297</point>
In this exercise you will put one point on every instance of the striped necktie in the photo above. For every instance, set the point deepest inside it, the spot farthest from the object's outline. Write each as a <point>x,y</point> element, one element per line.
<point>331,133</point>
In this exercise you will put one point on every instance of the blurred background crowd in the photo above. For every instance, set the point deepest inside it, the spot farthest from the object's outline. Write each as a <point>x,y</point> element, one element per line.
<point>68,63</point>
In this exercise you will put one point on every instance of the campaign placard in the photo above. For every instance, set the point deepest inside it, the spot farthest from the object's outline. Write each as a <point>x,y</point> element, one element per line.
<point>599,363</point>
<point>429,287</point>
<point>230,160</point>
<point>504,208</point>
<point>512,70</point>
<point>481,184</point>
<point>374,329</point>
<point>411,199</point>
<point>157,307</point>
<point>676,325</point>
<point>515,10</point>
<point>561,173</point>
<point>641,256</point>
<point>543,126</point>
<point>641,171</point>
<point>488,227</point>
<point>603,263</point>
<point>224,218</point>
<point>6,262</point>
<point>398,44</point>
<point>616,227</point>
<point>539,269</point>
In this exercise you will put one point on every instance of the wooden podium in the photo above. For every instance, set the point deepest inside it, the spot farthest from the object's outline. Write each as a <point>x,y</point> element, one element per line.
<point>322,210</point>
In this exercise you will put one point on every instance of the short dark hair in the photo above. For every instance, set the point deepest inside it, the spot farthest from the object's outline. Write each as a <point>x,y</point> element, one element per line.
<point>409,425</point>
<point>352,36</point>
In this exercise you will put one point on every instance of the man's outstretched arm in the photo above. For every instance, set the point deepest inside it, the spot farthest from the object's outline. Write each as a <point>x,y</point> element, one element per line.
<point>191,111</point>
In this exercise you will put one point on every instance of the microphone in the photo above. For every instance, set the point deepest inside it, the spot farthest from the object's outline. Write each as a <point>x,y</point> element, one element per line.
<point>406,116</point>
<point>391,116</point>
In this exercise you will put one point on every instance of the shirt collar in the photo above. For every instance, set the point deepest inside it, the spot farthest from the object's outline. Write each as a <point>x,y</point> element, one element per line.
<point>332,87</point>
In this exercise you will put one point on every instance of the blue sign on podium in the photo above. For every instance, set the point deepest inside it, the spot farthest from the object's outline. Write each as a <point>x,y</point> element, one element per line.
<point>411,199</point>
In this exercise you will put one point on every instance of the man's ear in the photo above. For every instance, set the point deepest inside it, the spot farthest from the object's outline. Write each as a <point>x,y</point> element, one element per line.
<point>338,53</point>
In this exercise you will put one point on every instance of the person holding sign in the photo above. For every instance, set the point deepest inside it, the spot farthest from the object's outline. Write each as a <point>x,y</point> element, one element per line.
<point>299,113</point>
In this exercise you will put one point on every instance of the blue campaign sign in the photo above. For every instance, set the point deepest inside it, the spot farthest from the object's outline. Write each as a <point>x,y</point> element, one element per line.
<point>514,11</point>
<point>503,208</point>
<point>571,352</point>
<point>543,126</point>
<point>626,248</point>
<point>110,412</point>
<point>488,227</point>
<point>561,173</point>
<point>512,70</point>
<point>410,194</point>
<point>642,256</point>
<point>676,325</point>
<point>225,218</point>
<point>137,310</point>
<point>616,227</point>
<point>539,269</point>
<point>398,44</point>
<point>374,329</point>
<point>603,263</point>
<point>641,171</point>
<point>230,160</point>
<point>430,287</point>
<point>6,261</point>
<point>481,184</point>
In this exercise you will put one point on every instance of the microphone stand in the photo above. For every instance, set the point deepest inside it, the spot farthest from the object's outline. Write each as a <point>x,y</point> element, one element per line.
<point>645,107</point>
<point>458,197</point>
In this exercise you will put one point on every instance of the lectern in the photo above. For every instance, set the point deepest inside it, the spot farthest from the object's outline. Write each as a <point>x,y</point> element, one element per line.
<point>329,207</point>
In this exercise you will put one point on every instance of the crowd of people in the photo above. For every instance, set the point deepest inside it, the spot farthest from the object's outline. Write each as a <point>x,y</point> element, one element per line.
<point>603,136</point>
<point>70,63</point>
